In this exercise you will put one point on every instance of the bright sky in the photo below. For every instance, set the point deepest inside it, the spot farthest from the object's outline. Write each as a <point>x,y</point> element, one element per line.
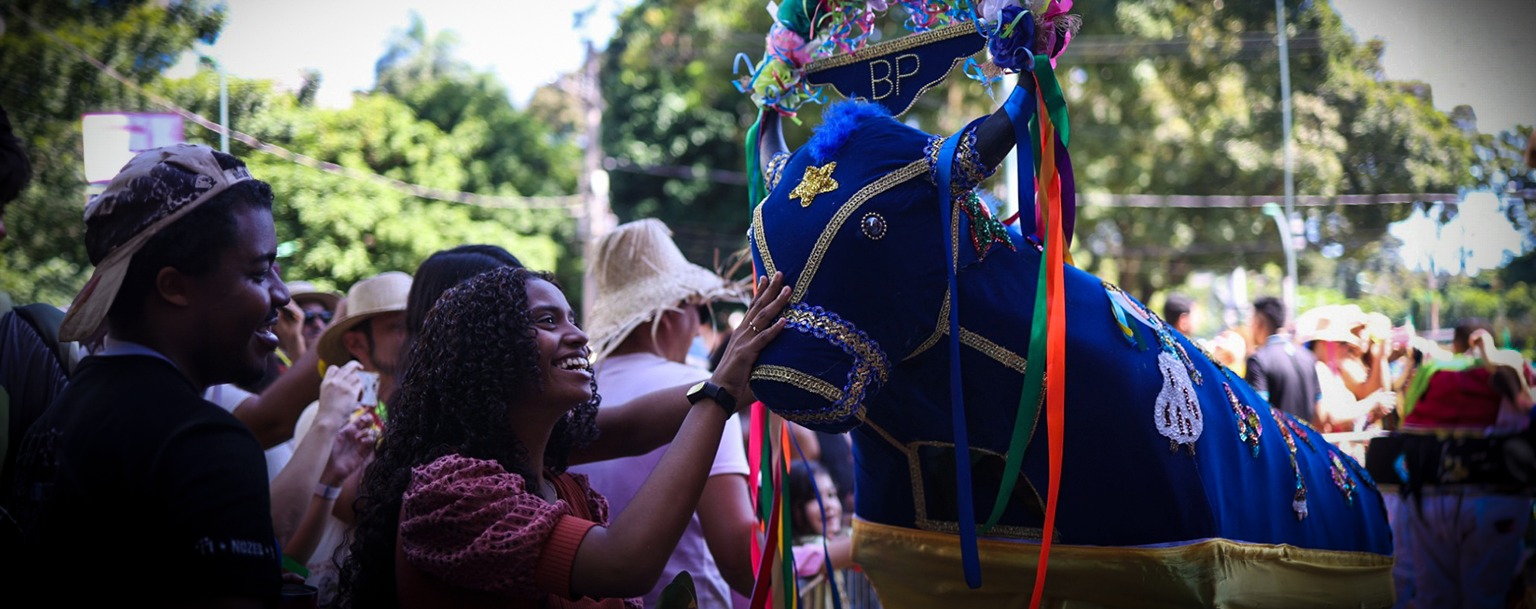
<point>1476,52</point>
<point>527,43</point>
<point>1479,238</point>
<point>1470,51</point>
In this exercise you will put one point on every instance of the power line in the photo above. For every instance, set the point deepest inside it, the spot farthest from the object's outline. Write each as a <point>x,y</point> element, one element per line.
<point>1240,201</point>
<point>415,190</point>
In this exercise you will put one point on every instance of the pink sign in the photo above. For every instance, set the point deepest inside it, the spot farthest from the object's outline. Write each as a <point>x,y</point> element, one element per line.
<point>111,139</point>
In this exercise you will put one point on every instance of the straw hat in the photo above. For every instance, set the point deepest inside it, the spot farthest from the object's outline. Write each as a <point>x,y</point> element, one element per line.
<point>304,292</point>
<point>1333,323</point>
<point>383,293</point>
<point>637,273</point>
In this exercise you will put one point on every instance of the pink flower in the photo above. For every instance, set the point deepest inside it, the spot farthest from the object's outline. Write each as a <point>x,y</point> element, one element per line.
<point>789,46</point>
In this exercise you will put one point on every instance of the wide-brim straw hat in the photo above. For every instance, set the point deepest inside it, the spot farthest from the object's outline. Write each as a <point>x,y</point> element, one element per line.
<point>637,273</point>
<point>305,292</point>
<point>1332,323</point>
<point>386,292</point>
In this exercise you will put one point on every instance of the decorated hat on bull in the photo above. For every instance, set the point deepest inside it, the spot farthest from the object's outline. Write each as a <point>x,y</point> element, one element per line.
<point>861,158</point>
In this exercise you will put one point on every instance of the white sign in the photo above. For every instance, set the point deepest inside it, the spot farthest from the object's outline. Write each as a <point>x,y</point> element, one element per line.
<point>111,139</point>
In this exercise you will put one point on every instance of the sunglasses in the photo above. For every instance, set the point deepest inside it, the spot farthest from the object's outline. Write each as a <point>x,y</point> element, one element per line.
<point>323,316</point>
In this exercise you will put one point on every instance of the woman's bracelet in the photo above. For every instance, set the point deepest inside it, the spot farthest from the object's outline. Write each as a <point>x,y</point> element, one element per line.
<point>326,491</point>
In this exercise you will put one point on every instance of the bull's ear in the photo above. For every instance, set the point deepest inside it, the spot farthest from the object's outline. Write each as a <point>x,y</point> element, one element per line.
<point>770,136</point>
<point>994,138</point>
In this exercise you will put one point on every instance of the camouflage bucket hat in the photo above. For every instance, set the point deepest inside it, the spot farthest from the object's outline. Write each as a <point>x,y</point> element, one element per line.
<point>153,191</point>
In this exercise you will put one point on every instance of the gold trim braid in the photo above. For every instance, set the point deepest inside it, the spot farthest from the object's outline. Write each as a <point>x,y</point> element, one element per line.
<point>762,241</point>
<point>919,569</point>
<point>892,46</point>
<point>799,379</point>
<point>884,183</point>
<point>993,350</point>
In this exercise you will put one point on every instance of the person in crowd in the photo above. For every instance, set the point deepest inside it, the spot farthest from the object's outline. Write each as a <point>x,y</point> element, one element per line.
<point>467,500</point>
<point>318,308</point>
<point>1463,542</point>
<point>816,520</point>
<point>442,270</point>
<point>1229,348</point>
<point>350,449</point>
<point>131,476</point>
<point>644,319</point>
<point>231,396</point>
<point>15,167</point>
<point>34,364</point>
<point>1178,311</point>
<point>1281,372</point>
<point>1354,393</point>
<point>364,346</point>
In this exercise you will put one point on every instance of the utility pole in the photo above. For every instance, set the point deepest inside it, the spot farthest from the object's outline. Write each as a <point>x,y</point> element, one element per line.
<point>596,217</point>
<point>223,110</point>
<point>1290,160</point>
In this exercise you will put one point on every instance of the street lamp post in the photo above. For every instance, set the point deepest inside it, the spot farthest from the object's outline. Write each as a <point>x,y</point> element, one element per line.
<point>1287,242</point>
<point>1290,163</point>
<point>214,63</point>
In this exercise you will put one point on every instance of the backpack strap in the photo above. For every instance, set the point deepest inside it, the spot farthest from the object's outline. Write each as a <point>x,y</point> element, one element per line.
<point>45,319</point>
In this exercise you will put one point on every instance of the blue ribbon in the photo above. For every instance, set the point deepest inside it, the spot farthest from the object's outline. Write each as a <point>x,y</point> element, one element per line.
<point>969,556</point>
<point>1021,109</point>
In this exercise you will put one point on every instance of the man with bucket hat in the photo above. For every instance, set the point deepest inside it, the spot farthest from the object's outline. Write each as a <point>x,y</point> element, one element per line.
<point>644,315</point>
<point>131,480</point>
<point>362,348</point>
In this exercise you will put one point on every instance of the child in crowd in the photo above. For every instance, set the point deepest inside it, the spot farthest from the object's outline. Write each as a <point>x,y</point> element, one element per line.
<point>816,517</point>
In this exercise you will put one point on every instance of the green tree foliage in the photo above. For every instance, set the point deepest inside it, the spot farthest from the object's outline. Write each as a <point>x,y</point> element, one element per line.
<point>671,110</point>
<point>344,229</point>
<point>45,90</point>
<point>507,151</point>
<point>1173,97</point>
<point>1166,97</point>
<point>455,130</point>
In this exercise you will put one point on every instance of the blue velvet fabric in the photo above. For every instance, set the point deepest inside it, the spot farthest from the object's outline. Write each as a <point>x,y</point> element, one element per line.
<point>1121,483</point>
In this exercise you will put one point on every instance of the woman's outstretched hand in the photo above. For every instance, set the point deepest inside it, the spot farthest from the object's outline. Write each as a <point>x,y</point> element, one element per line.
<point>761,325</point>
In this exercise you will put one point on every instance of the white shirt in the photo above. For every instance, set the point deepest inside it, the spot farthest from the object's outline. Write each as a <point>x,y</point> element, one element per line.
<point>621,378</point>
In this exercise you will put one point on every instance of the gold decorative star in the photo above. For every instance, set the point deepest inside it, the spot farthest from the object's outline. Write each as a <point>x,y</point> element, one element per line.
<point>817,180</point>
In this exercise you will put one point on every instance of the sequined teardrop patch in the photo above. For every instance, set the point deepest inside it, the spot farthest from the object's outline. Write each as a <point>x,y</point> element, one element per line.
<point>1177,410</point>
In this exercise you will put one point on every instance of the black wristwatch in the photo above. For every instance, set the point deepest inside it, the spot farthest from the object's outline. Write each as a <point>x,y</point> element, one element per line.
<point>706,389</point>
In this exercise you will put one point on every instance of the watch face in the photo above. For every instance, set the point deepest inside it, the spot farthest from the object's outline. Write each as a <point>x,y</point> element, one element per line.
<point>696,392</point>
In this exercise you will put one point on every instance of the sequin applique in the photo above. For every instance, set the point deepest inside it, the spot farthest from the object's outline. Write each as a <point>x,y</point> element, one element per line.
<point>1341,478</point>
<point>985,229</point>
<point>1299,501</point>
<point>1177,410</point>
<point>816,181</point>
<point>1249,427</point>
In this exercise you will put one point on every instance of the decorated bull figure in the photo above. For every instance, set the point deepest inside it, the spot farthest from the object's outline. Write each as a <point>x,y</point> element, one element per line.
<point>1008,411</point>
<point>1179,485</point>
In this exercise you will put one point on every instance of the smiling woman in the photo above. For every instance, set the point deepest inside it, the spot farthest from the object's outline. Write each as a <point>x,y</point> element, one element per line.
<point>468,503</point>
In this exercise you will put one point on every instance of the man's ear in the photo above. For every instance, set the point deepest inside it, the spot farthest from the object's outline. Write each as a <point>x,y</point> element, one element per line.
<point>356,343</point>
<point>172,286</point>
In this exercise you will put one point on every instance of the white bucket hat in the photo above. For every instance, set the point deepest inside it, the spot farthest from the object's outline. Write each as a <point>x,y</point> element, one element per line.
<point>637,273</point>
<point>386,292</point>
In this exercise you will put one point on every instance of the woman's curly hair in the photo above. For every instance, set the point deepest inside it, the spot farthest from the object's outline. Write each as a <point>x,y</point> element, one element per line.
<point>476,353</point>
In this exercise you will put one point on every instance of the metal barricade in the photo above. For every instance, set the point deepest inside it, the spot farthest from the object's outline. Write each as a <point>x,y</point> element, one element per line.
<point>856,591</point>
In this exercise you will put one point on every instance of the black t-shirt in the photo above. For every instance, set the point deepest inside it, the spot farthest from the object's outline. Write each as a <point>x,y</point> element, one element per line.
<point>1289,374</point>
<point>131,488</point>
